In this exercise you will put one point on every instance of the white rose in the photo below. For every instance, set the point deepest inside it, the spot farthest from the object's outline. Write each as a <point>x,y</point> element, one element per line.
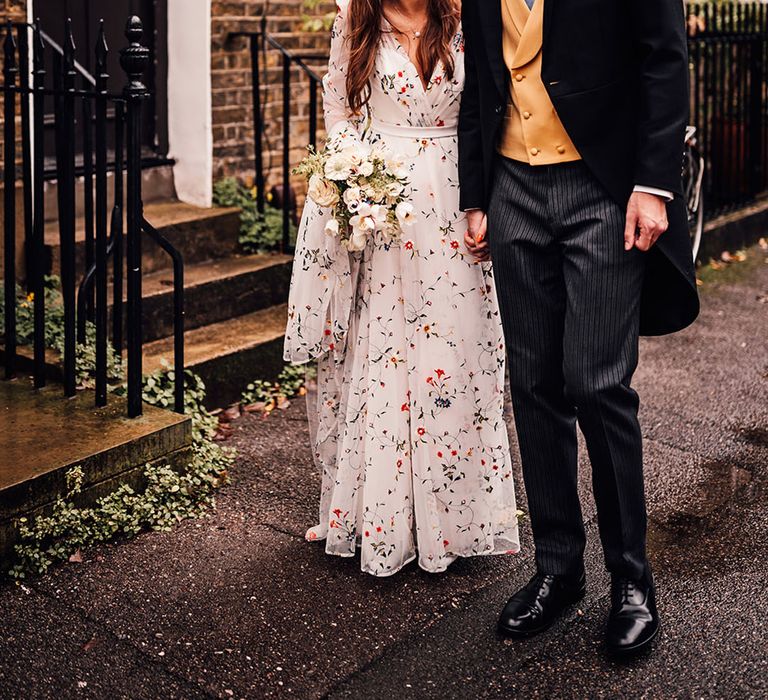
<point>363,210</point>
<point>394,189</point>
<point>396,165</point>
<point>379,215</point>
<point>338,166</point>
<point>323,192</point>
<point>364,224</point>
<point>356,153</point>
<point>405,215</point>
<point>366,168</point>
<point>331,228</point>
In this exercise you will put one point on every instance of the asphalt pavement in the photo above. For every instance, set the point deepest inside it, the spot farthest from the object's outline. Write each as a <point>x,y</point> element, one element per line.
<point>239,605</point>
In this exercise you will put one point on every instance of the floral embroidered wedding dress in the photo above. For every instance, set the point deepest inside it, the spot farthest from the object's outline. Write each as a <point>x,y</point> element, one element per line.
<point>408,426</point>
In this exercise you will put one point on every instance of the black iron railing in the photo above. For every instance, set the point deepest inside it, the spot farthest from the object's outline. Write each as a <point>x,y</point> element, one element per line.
<point>260,44</point>
<point>82,103</point>
<point>728,44</point>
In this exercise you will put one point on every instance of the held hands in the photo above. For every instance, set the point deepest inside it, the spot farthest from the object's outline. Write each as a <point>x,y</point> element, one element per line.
<point>646,221</point>
<point>474,238</point>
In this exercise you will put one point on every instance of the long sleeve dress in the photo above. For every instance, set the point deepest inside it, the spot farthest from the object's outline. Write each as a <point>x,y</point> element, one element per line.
<point>408,421</point>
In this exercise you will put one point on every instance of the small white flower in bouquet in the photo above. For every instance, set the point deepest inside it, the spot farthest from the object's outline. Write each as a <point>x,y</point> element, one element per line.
<point>365,189</point>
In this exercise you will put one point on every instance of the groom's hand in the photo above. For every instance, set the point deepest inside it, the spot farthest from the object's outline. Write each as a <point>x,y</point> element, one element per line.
<point>474,238</point>
<point>646,221</point>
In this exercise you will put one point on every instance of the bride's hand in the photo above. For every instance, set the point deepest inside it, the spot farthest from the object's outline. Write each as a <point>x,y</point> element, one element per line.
<point>474,238</point>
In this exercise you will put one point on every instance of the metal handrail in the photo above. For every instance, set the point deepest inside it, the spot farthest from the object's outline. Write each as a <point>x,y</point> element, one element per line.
<point>259,41</point>
<point>89,299</point>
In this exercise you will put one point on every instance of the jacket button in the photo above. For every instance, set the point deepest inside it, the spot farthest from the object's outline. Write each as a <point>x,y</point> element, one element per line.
<point>561,149</point>
<point>526,115</point>
<point>534,151</point>
<point>519,77</point>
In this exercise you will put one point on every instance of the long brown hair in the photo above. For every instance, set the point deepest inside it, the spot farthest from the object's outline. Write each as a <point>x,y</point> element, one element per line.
<point>364,19</point>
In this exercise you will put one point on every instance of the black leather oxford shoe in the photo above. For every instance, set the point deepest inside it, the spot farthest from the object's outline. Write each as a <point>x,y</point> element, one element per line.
<point>539,603</point>
<point>633,622</point>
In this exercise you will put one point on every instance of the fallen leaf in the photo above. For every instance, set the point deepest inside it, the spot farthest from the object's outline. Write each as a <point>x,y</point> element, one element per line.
<point>76,558</point>
<point>763,243</point>
<point>257,407</point>
<point>230,414</point>
<point>92,642</point>
<point>699,283</point>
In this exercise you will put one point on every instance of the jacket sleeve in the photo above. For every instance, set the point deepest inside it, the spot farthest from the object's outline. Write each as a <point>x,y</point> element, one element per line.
<point>658,28</point>
<point>471,171</point>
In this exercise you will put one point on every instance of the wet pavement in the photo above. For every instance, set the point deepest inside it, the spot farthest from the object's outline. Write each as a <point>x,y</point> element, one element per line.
<point>238,605</point>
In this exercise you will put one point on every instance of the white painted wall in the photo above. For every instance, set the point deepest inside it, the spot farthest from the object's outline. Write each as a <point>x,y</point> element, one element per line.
<point>190,129</point>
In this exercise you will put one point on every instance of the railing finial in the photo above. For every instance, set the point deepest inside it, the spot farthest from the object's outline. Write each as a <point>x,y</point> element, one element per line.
<point>102,50</point>
<point>38,47</point>
<point>9,48</point>
<point>69,47</point>
<point>134,58</point>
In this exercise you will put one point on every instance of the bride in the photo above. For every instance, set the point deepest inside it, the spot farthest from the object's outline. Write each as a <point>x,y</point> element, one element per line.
<point>408,424</point>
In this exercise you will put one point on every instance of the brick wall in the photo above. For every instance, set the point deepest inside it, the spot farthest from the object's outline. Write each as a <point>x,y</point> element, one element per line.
<point>231,85</point>
<point>14,10</point>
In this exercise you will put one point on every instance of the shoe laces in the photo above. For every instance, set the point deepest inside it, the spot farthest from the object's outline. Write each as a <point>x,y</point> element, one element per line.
<point>627,589</point>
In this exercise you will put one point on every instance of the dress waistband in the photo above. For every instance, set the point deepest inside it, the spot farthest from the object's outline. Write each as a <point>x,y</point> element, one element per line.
<point>413,132</point>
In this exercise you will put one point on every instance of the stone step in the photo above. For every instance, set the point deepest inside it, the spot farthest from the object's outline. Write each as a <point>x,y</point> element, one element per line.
<point>43,435</point>
<point>214,291</point>
<point>198,233</point>
<point>229,354</point>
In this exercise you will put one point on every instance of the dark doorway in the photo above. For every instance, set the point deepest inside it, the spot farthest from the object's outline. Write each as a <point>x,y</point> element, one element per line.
<point>86,16</point>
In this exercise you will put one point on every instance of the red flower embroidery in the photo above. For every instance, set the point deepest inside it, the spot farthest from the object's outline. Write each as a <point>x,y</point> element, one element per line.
<point>409,245</point>
<point>421,431</point>
<point>405,407</point>
<point>439,373</point>
<point>454,245</point>
<point>332,524</point>
<point>378,529</point>
<point>430,380</point>
<point>337,512</point>
<point>440,455</point>
<point>327,331</point>
<point>445,543</point>
<point>454,453</point>
<point>367,534</point>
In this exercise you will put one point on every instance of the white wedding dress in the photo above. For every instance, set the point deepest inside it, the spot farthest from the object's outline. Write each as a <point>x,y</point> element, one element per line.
<point>408,423</point>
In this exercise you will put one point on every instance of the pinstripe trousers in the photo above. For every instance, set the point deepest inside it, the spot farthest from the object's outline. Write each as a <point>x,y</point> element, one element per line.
<point>570,303</point>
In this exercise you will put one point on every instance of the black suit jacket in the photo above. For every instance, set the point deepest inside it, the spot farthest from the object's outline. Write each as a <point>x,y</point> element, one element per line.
<point>617,74</point>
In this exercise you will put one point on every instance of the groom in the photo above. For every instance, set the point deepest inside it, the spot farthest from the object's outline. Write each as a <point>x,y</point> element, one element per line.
<point>571,141</point>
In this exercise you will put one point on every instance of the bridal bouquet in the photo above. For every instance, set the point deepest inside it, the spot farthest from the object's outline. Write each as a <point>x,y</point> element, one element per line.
<point>365,189</point>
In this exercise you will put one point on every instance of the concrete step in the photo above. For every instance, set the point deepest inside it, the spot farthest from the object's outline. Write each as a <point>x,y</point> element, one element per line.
<point>43,435</point>
<point>198,233</point>
<point>229,354</point>
<point>214,291</point>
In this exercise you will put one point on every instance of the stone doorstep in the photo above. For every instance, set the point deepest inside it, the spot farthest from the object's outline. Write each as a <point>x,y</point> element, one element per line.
<point>133,477</point>
<point>43,435</point>
<point>735,230</point>
<point>229,354</point>
<point>214,291</point>
<point>198,233</point>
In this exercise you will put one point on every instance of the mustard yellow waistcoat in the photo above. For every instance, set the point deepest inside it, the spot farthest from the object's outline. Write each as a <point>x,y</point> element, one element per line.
<point>532,131</point>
